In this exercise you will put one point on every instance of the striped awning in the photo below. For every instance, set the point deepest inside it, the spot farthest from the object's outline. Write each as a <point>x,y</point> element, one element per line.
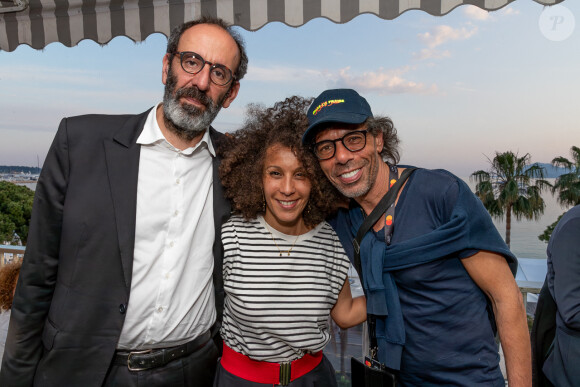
<point>40,22</point>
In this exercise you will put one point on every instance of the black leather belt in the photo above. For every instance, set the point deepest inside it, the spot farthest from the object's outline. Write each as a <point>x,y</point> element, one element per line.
<point>152,358</point>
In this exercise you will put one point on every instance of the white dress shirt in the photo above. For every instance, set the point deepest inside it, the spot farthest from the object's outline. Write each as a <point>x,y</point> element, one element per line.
<point>172,296</point>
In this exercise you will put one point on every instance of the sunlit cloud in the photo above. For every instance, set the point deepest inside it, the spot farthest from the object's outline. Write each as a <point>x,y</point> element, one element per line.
<point>438,36</point>
<point>443,34</point>
<point>383,82</point>
<point>476,13</point>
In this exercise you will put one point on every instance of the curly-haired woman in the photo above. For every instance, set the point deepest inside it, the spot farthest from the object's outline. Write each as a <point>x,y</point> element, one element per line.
<point>8,278</point>
<point>284,270</point>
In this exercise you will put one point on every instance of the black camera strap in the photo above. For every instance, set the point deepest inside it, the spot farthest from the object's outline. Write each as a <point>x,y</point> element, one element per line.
<point>386,202</point>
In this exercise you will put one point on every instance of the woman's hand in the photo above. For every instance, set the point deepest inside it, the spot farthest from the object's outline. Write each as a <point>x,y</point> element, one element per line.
<point>348,312</point>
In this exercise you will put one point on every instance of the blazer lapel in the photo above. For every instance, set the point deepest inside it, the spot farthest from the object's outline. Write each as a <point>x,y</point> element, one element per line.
<point>221,206</point>
<point>221,213</point>
<point>122,154</point>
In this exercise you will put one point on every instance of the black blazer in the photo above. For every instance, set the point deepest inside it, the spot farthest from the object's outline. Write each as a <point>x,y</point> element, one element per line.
<point>73,290</point>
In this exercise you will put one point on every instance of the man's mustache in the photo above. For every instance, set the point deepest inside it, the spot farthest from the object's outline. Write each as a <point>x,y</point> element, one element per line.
<point>193,92</point>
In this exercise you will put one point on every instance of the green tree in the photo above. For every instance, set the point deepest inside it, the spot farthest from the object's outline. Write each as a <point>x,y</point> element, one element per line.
<point>545,236</point>
<point>511,186</point>
<point>567,186</point>
<point>15,211</point>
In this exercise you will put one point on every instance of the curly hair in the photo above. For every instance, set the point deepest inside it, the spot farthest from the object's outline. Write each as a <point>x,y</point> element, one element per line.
<point>243,155</point>
<point>8,277</point>
<point>385,125</point>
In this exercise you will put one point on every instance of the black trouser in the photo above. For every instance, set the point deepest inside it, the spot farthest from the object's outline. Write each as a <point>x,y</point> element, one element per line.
<point>196,370</point>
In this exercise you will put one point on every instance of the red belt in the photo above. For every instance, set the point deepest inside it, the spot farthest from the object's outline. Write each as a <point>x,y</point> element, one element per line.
<point>266,372</point>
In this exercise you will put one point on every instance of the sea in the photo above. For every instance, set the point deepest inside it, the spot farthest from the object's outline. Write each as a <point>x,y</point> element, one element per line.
<point>524,233</point>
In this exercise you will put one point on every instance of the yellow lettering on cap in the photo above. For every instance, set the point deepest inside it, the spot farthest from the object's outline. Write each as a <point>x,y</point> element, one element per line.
<point>326,103</point>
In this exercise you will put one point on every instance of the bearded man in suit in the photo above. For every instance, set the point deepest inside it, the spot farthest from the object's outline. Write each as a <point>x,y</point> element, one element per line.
<point>121,282</point>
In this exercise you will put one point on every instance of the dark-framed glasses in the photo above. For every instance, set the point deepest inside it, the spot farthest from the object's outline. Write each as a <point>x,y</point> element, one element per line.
<point>353,141</point>
<point>193,63</point>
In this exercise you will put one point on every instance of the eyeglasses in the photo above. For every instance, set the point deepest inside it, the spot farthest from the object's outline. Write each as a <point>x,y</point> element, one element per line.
<point>353,141</point>
<point>193,63</point>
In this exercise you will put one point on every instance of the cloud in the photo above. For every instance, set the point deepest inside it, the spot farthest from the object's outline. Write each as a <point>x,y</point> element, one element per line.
<point>383,82</point>
<point>443,34</point>
<point>71,91</point>
<point>430,53</point>
<point>284,74</point>
<point>34,74</point>
<point>460,86</point>
<point>509,11</point>
<point>476,13</point>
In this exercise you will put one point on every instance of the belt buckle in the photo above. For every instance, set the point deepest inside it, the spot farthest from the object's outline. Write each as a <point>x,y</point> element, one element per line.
<point>136,353</point>
<point>285,373</point>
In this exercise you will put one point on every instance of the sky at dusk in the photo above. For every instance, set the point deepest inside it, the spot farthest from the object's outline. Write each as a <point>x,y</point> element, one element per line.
<point>458,87</point>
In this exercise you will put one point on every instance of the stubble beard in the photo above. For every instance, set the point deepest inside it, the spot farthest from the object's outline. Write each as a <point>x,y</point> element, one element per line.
<point>187,121</point>
<point>363,187</point>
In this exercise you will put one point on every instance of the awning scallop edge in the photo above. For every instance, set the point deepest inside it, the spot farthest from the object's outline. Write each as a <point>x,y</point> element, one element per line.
<point>42,22</point>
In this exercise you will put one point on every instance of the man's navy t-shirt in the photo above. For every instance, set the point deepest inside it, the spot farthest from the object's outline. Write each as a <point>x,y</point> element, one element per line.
<point>449,335</point>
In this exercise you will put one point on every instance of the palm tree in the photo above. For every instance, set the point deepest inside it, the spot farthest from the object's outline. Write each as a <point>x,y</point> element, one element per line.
<point>512,185</point>
<point>568,184</point>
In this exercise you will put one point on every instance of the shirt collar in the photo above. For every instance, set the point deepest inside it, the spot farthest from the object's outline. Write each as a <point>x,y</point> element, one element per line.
<point>152,135</point>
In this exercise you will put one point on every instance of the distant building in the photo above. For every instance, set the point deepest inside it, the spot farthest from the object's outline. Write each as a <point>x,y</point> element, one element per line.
<point>9,254</point>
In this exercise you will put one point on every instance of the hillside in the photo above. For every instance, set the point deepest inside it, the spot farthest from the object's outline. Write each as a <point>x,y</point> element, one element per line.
<point>550,171</point>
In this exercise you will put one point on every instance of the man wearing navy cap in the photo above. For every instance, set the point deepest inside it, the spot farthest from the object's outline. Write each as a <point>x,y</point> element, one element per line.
<point>438,278</point>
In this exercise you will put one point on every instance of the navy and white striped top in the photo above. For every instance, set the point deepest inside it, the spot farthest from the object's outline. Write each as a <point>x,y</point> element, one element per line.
<point>277,307</point>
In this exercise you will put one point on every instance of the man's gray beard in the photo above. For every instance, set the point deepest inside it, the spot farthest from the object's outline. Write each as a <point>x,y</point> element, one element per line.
<point>187,121</point>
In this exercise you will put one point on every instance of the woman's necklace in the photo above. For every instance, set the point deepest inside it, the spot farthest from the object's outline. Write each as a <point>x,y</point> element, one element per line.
<point>274,240</point>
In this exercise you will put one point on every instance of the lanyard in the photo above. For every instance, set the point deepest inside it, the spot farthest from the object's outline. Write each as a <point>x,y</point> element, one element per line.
<point>390,212</point>
<point>387,207</point>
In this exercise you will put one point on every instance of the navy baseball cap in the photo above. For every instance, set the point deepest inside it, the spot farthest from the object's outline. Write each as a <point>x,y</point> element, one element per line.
<point>336,105</point>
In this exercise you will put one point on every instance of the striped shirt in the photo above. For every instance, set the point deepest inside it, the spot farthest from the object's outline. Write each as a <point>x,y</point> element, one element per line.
<point>277,305</point>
